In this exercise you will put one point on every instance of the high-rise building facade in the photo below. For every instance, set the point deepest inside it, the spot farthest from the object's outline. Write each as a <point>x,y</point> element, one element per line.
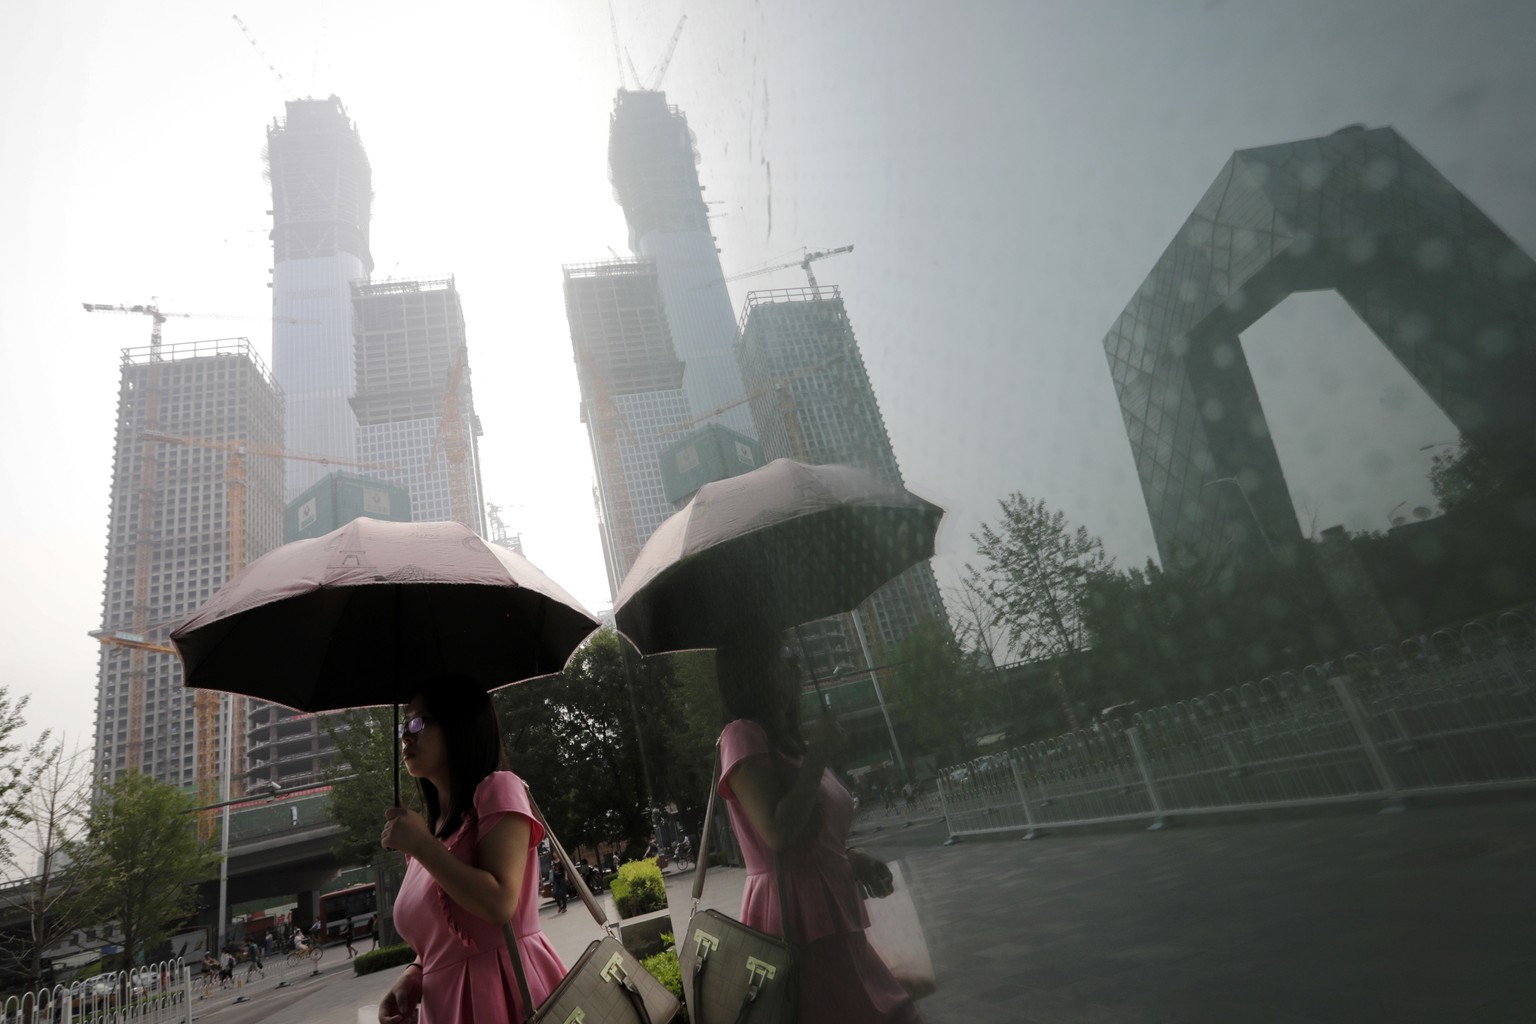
<point>216,393</point>
<point>322,193</point>
<point>813,402</point>
<point>632,398</point>
<point>654,166</point>
<point>1359,212</point>
<point>409,347</point>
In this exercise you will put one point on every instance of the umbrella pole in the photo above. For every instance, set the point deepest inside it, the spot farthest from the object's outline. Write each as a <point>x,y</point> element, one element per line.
<point>811,668</point>
<point>394,766</point>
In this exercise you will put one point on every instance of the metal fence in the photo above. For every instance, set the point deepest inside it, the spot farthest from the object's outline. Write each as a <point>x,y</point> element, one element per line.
<point>158,993</point>
<point>1451,712</point>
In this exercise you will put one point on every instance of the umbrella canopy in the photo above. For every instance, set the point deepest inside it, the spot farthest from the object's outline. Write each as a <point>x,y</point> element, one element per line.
<point>357,617</point>
<point>781,545</point>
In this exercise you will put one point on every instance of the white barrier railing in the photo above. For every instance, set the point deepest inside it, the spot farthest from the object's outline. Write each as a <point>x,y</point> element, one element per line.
<point>153,993</point>
<point>1440,714</point>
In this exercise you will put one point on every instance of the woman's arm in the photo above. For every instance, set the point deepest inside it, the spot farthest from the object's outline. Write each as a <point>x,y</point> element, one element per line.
<point>781,815</point>
<point>490,887</point>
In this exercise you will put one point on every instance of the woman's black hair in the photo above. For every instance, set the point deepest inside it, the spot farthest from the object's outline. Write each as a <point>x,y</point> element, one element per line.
<point>472,738</point>
<point>754,684</point>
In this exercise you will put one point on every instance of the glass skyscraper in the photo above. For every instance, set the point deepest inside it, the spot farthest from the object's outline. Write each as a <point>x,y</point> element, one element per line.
<point>1360,212</point>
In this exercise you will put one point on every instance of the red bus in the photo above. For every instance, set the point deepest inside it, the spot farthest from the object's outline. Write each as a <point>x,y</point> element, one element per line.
<point>358,904</point>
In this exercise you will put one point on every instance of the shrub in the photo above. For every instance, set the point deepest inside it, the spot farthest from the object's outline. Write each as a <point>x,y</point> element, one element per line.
<point>382,959</point>
<point>638,888</point>
<point>665,969</point>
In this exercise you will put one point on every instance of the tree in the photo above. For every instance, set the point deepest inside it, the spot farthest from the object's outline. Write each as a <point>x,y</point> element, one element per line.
<point>1035,579</point>
<point>937,694</point>
<point>577,739</point>
<point>13,772</point>
<point>53,898</point>
<point>141,853</point>
<point>366,749</point>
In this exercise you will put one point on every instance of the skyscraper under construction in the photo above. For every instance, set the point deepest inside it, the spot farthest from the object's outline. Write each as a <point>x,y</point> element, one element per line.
<point>414,406</point>
<point>169,534</point>
<point>812,401</point>
<point>654,337</point>
<point>322,192</point>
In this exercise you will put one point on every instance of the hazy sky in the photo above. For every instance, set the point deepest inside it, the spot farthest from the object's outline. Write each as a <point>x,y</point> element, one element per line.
<point>1008,172</point>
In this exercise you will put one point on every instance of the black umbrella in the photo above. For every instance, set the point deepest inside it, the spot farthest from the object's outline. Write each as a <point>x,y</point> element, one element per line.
<point>359,616</point>
<point>779,546</point>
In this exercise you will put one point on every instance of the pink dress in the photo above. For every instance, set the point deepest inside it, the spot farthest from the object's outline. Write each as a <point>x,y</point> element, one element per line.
<point>842,978</point>
<point>466,970</point>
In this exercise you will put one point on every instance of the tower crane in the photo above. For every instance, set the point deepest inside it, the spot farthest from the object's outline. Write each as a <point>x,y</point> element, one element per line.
<point>206,702</point>
<point>149,396</point>
<point>666,58</point>
<point>804,263</point>
<point>451,441</point>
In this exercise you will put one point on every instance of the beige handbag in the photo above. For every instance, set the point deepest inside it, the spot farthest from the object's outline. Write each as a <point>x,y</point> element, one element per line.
<point>606,985</point>
<point>733,974</point>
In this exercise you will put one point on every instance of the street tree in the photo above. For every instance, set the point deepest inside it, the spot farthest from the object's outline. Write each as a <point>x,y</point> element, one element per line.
<point>1034,575</point>
<point>361,790</point>
<point>938,694</point>
<point>140,851</point>
<point>52,898</point>
<point>13,766</point>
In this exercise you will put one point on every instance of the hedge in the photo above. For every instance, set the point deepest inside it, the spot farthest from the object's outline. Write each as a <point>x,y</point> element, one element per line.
<point>665,968</point>
<point>638,888</point>
<point>382,959</point>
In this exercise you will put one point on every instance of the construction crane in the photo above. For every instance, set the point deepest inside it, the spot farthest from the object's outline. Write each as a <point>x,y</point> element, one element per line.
<point>205,702</point>
<point>666,58</point>
<point>451,441</point>
<point>149,396</point>
<point>159,317</point>
<point>804,263</point>
<point>779,384</point>
<point>288,89</point>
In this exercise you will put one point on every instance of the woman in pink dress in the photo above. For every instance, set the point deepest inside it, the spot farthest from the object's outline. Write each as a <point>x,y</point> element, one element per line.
<point>470,868</point>
<point>782,799</point>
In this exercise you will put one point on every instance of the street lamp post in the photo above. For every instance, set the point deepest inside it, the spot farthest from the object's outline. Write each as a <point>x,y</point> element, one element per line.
<point>228,737</point>
<point>858,628</point>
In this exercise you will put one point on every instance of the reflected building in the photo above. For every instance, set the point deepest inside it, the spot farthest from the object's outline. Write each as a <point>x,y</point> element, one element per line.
<point>812,401</point>
<point>322,192</point>
<point>632,398</point>
<point>1360,212</point>
<point>170,505</point>
<point>654,336</point>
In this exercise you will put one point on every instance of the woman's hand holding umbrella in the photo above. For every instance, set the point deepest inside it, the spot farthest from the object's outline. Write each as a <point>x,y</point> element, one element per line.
<point>406,831</point>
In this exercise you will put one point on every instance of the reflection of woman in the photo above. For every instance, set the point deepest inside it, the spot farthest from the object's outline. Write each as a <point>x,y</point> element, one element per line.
<point>783,800</point>
<point>471,868</point>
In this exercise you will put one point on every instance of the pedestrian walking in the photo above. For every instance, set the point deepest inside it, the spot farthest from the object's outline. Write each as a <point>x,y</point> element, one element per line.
<point>254,966</point>
<point>227,969</point>
<point>557,886</point>
<point>267,943</point>
<point>789,810</point>
<point>347,935</point>
<point>471,868</point>
<point>373,929</point>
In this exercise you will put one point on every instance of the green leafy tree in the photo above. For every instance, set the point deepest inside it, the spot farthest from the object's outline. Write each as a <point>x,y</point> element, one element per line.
<point>1034,576</point>
<point>141,853</point>
<point>13,767</point>
<point>577,739</point>
<point>938,693</point>
<point>366,751</point>
<point>53,899</point>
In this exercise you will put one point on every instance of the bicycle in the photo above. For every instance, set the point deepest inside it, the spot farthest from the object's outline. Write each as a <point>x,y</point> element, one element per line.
<point>306,953</point>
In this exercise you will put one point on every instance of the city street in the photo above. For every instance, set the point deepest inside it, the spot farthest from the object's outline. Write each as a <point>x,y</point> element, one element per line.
<point>1428,915</point>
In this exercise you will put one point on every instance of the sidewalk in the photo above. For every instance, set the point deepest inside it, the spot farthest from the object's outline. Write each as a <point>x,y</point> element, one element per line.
<point>337,995</point>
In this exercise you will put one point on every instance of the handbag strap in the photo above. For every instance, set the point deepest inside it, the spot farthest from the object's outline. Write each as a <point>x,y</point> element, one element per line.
<point>703,863</point>
<point>586,898</point>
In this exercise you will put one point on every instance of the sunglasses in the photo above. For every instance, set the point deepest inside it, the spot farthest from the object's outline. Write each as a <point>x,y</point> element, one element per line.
<point>413,725</point>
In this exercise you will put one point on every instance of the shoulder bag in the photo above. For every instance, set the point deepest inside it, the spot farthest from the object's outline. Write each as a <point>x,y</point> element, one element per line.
<point>606,985</point>
<point>733,974</point>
